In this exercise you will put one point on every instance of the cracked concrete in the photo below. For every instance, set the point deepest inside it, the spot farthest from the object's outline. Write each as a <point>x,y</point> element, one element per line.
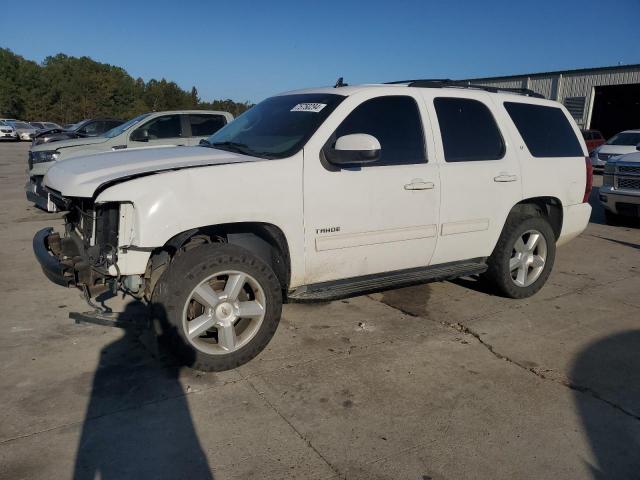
<point>443,381</point>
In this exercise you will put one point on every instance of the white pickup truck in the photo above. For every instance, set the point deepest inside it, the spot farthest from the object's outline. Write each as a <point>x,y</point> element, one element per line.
<point>322,194</point>
<point>171,128</point>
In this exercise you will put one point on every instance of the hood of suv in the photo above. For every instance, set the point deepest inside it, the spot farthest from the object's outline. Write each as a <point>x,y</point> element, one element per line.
<point>82,176</point>
<point>74,142</point>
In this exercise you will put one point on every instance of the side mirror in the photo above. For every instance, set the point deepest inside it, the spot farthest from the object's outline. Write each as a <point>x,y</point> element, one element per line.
<point>354,149</point>
<point>139,135</point>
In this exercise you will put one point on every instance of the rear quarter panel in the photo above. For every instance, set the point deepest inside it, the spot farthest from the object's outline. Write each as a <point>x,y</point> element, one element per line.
<point>560,177</point>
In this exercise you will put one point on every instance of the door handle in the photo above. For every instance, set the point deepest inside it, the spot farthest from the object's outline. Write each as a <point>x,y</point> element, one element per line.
<point>503,177</point>
<point>418,184</point>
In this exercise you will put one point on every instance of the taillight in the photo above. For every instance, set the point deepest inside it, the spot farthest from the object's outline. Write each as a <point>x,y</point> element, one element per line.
<point>589,183</point>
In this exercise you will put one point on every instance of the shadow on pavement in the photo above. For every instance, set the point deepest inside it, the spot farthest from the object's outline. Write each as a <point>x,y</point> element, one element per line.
<point>609,369</point>
<point>138,423</point>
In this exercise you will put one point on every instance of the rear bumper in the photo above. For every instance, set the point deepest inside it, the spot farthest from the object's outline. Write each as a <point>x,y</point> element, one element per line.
<point>575,219</point>
<point>50,264</point>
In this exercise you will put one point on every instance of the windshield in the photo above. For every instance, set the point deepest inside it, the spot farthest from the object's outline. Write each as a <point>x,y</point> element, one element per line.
<point>625,138</point>
<point>278,127</point>
<point>21,125</point>
<point>114,132</point>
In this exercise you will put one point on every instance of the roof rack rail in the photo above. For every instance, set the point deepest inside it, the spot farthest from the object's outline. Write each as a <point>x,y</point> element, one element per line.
<point>435,83</point>
<point>397,82</point>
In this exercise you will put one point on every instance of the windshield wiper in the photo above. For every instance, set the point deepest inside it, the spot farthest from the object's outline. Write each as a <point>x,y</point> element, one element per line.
<point>239,148</point>
<point>234,147</point>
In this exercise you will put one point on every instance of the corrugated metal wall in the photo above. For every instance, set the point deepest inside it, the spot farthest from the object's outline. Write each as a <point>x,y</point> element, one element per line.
<point>560,85</point>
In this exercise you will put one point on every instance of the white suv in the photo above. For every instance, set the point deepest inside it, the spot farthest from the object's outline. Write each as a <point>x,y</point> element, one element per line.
<point>322,194</point>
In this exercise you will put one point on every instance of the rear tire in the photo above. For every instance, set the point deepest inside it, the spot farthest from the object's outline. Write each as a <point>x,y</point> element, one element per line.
<point>523,258</point>
<point>216,306</point>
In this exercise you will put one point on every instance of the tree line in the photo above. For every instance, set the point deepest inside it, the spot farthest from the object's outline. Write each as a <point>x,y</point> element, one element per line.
<point>67,89</point>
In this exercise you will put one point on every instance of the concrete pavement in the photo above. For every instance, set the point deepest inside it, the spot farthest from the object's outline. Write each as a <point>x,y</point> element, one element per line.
<point>443,381</point>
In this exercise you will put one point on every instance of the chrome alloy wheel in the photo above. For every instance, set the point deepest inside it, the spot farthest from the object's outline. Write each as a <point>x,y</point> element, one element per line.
<point>224,312</point>
<point>528,258</point>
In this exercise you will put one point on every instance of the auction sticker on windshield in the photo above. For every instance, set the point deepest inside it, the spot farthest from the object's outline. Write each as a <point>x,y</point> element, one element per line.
<point>309,107</point>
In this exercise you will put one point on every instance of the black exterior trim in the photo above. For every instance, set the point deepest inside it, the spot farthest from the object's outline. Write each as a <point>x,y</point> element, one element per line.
<point>350,287</point>
<point>50,265</point>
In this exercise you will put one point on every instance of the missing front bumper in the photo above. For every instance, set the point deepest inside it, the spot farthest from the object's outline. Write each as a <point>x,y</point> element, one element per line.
<point>63,263</point>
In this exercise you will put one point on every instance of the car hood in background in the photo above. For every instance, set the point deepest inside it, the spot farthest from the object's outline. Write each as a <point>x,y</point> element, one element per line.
<point>616,149</point>
<point>73,142</point>
<point>630,157</point>
<point>82,176</point>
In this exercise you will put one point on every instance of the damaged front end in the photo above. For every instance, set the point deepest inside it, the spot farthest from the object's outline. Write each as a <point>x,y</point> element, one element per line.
<point>86,255</point>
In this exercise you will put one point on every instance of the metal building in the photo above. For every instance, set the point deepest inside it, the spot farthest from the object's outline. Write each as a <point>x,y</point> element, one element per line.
<point>606,98</point>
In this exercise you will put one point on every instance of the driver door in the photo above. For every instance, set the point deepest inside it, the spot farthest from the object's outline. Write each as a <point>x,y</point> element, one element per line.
<point>377,217</point>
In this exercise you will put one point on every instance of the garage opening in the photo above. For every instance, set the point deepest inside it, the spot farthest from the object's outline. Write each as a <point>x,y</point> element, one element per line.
<point>616,108</point>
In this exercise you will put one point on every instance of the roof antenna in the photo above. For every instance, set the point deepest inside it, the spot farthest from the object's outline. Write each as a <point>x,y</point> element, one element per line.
<point>340,83</point>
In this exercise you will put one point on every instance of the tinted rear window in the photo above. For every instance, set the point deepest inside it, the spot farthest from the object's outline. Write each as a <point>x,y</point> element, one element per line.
<point>545,130</point>
<point>469,131</point>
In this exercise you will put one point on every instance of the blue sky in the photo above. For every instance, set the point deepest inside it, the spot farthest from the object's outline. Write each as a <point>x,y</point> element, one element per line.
<point>249,50</point>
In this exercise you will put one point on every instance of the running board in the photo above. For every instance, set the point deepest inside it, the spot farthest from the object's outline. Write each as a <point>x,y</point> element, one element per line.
<point>351,287</point>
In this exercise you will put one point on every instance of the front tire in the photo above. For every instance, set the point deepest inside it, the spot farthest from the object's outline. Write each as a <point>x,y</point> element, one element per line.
<point>523,257</point>
<point>217,306</point>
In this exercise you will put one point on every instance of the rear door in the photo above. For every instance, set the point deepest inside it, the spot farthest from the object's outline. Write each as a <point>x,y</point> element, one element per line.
<point>162,130</point>
<point>202,125</point>
<point>479,172</point>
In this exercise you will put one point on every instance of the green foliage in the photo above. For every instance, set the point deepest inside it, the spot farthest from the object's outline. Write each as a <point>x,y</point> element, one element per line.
<point>68,89</point>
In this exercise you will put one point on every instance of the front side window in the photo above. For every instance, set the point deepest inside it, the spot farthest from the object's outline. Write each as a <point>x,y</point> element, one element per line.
<point>205,125</point>
<point>545,130</point>
<point>469,131</point>
<point>91,128</point>
<point>395,122</point>
<point>117,130</point>
<point>109,124</point>
<point>166,126</point>
<point>277,127</point>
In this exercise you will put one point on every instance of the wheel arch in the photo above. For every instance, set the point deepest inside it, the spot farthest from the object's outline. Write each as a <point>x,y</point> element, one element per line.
<point>265,240</point>
<point>548,207</point>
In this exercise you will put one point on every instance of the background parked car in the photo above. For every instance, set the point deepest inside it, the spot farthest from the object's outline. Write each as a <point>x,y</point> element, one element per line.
<point>157,129</point>
<point>86,128</point>
<point>42,126</point>
<point>620,144</point>
<point>593,139</point>
<point>38,125</point>
<point>7,132</point>
<point>25,131</point>
<point>620,190</point>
